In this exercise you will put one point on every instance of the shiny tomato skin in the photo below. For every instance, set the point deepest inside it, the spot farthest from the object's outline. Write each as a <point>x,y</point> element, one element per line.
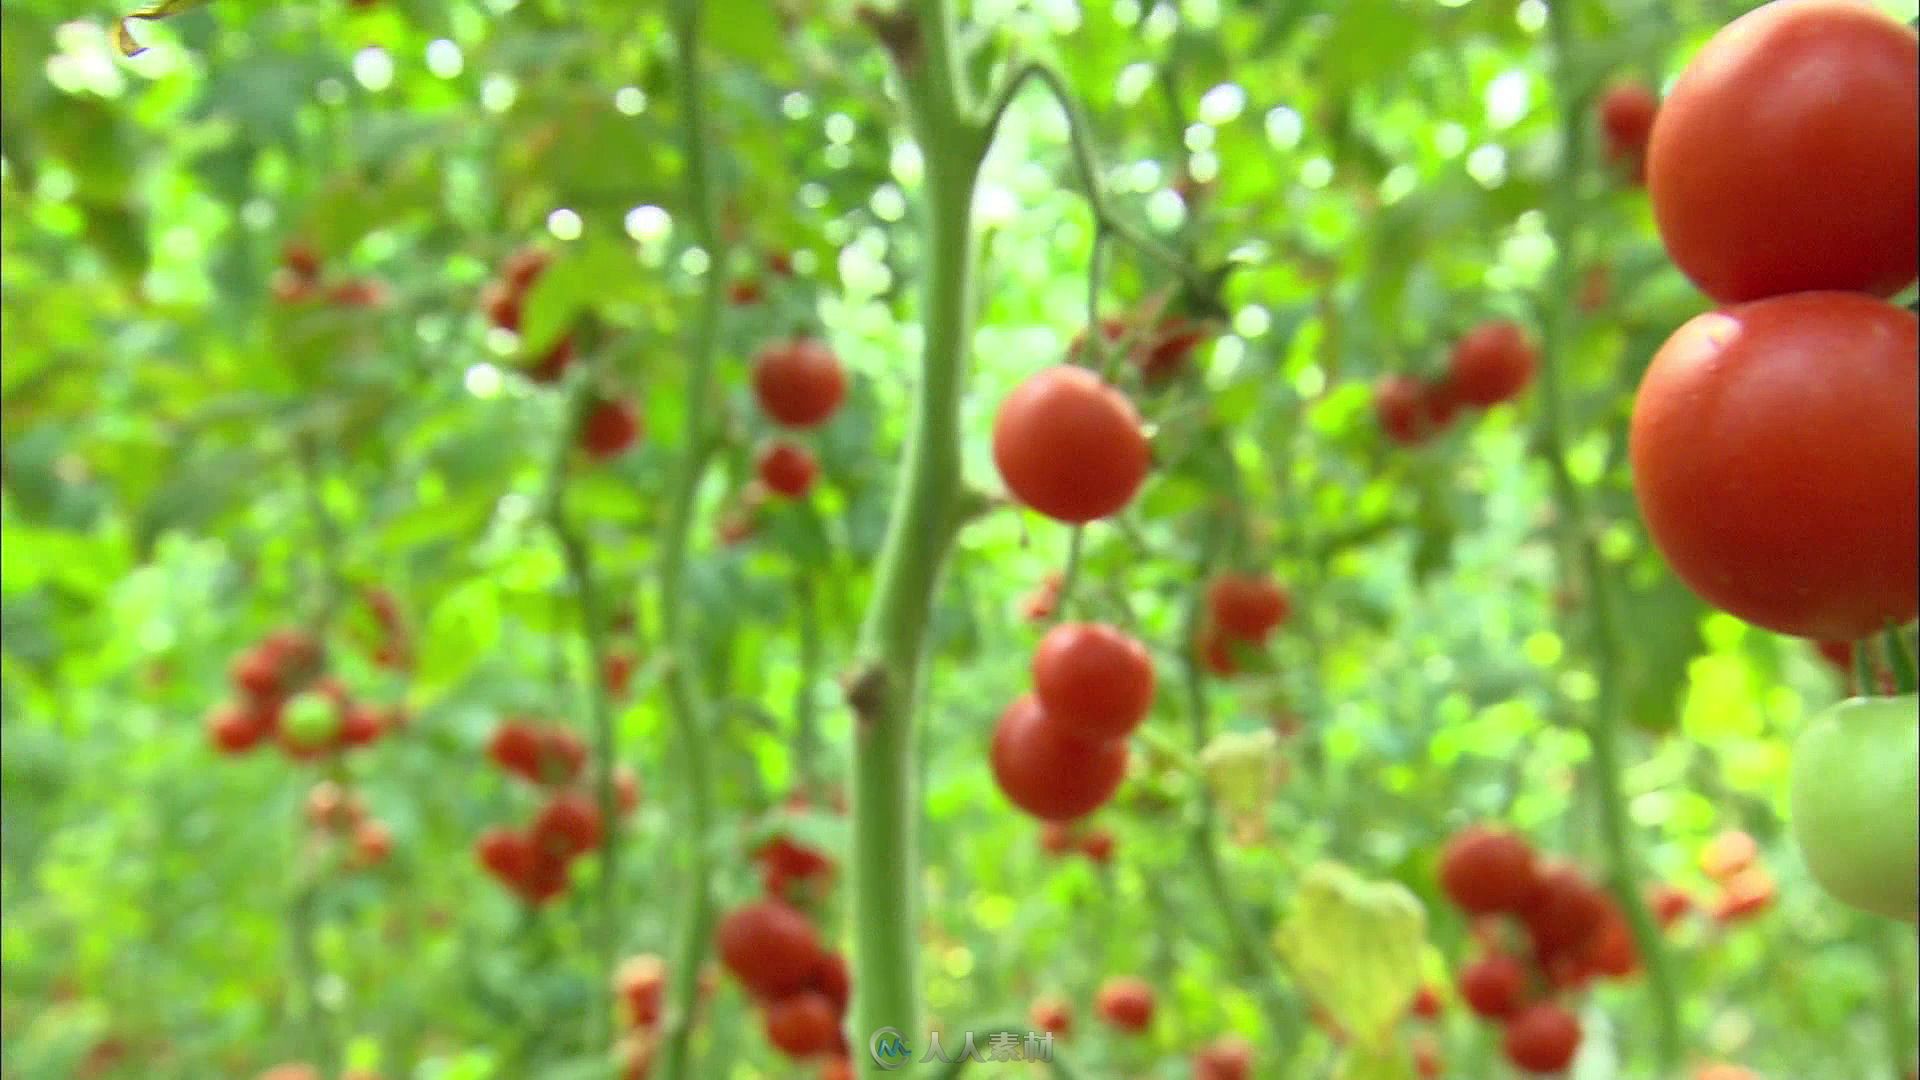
<point>1543,1038</point>
<point>799,383</point>
<point>1852,792</point>
<point>770,947</point>
<point>1126,1003</point>
<point>1776,453</point>
<point>1493,986</point>
<point>1093,680</point>
<point>1485,870</point>
<point>1627,111</point>
<point>1492,363</point>
<point>1398,407</point>
<point>1048,772</point>
<point>1069,445</point>
<point>1784,158</point>
<point>802,1024</point>
<point>787,469</point>
<point>1247,606</point>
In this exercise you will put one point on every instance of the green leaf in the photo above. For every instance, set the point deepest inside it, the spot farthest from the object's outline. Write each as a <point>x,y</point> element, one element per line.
<point>1355,945</point>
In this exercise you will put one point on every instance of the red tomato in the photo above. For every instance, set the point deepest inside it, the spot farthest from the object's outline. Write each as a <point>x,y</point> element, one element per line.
<point>299,257</point>
<point>554,364</point>
<point>1784,159</point>
<point>1485,870</point>
<point>769,947</point>
<point>1247,606</point>
<point>235,730</point>
<point>1626,118</point>
<point>1214,647</point>
<point>1744,895</point>
<point>568,825</point>
<point>1053,1014</point>
<point>1226,1058</point>
<point>256,673</point>
<point>1126,1003</point>
<point>1491,364</point>
<point>502,305</point>
<point>1563,914</point>
<point>786,469</point>
<point>372,843</point>
<point>641,985</point>
<point>798,383</point>
<point>1168,351</point>
<point>1669,904</point>
<point>1426,1003</point>
<point>616,671</point>
<point>1056,837</point>
<point>506,854</point>
<point>562,756</point>
<point>1094,681</point>
<point>1399,407</point>
<point>1611,950</point>
<point>1069,445</point>
<point>626,789</point>
<point>1776,455</point>
<point>523,267</point>
<point>744,293</point>
<point>1098,846</point>
<point>1047,771</point>
<point>1543,1038</point>
<point>609,428</point>
<point>1427,1062</point>
<point>516,747</point>
<point>1727,854</point>
<point>831,979</point>
<point>802,1025</point>
<point>1494,985</point>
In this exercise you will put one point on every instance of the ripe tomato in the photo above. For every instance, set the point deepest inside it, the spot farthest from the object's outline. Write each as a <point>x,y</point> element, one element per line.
<point>1427,1062</point>
<point>562,756</point>
<point>1669,904</point>
<point>554,363</point>
<point>609,428</point>
<point>1069,445</point>
<point>1494,985</point>
<point>568,825</point>
<point>1784,159</point>
<point>1399,407</point>
<point>1727,854</point>
<point>1485,870</point>
<point>1168,351</point>
<point>831,979</point>
<point>524,267</point>
<point>1053,1014</point>
<point>256,673</point>
<point>802,1025</point>
<point>1626,119</point>
<point>506,854</point>
<point>786,469</point>
<point>1247,606</point>
<point>1047,771</point>
<point>769,947</point>
<point>1611,950</point>
<point>300,257</point>
<point>1563,914</point>
<point>1094,681</point>
<point>1543,1038</point>
<point>516,748</point>
<point>641,985</point>
<point>360,725</point>
<point>502,305</point>
<point>1226,1058</point>
<point>1126,1003</point>
<point>1056,837</point>
<point>745,292</point>
<point>235,730</point>
<point>1744,895</point>
<point>1491,364</point>
<point>1098,846</point>
<point>1426,1003</point>
<point>1776,455</point>
<point>1214,647</point>
<point>372,843</point>
<point>799,383</point>
<point>1852,789</point>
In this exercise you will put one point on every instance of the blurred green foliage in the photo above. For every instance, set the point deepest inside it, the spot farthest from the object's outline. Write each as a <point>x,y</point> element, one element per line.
<point>1374,169</point>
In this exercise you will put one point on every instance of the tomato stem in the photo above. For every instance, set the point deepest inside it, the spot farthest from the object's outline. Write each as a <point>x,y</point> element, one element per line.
<point>921,526</point>
<point>687,705</point>
<point>1603,731</point>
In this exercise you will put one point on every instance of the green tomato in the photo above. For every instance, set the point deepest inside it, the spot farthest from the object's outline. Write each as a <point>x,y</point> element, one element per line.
<point>310,720</point>
<point>1852,793</point>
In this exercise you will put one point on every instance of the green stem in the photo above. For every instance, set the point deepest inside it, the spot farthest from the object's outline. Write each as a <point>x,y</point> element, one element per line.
<point>686,702</point>
<point>575,555</point>
<point>806,735</point>
<point>1604,730</point>
<point>1899,660</point>
<point>1254,959</point>
<point>1893,1001</point>
<point>925,518</point>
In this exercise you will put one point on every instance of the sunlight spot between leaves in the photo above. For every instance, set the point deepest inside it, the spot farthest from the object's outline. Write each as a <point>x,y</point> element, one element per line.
<point>445,60</point>
<point>648,224</point>
<point>796,106</point>
<point>1488,166</point>
<point>837,156</point>
<point>994,912</point>
<point>1450,139</point>
<point>1204,166</point>
<point>839,128</point>
<point>1542,648</point>
<point>1284,128</point>
<point>1316,173</point>
<point>1222,104</point>
<point>1165,211</point>
<point>813,196</point>
<point>695,261</point>
<point>1530,15</point>
<point>1507,99</point>
<point>498,92</point>
<point>958,962</point>
<point>630,100</point>
<point>1579,686</point>
<point>331,91</point>
<point>1252,321</point>
<point>887,203</point>
<point>564,224</point>
<point>373,68</point>
<point>483,381</point>
<point>1132,84</point>
<point>1199,137</point>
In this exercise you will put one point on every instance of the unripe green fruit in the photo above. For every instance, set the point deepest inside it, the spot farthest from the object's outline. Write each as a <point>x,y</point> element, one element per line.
<point>310,720</point>
<point>1854,797</point>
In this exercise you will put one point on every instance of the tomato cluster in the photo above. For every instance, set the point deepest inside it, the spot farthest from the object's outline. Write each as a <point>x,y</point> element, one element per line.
<point>799,384</point>
<point>1490,364</point>
<point>1776,441</point>
<point>1548,931</point>
<point>283,694</point>
<point>1243,611</point>
<point>801,986</point>
<point>791,869</point>
<point>1161,347</point>
<point>503,299</point>
<point>1226,1058</point>
<point>299,281</point>
<point>533,862</point>
<point>338,813</point>
<point>1060,752</point>
<point>639,988</point>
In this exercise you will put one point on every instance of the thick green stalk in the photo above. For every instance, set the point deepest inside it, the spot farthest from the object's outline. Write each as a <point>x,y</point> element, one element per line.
<point>920,531</point>
<point>685,699</point>
<point>1604,728</point>
<point>806,734</point>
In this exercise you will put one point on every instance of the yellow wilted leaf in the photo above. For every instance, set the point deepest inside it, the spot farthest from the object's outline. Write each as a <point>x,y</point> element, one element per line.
<point>1356,946</point>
